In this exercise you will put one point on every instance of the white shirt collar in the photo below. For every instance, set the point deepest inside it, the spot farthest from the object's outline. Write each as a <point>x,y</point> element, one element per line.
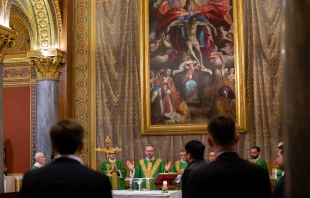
<point>37,164</point>
<point>183,161</point>
<point>150,159</point>
<point>110,160</point>
<point>74,157</point>
<point>225,151</point>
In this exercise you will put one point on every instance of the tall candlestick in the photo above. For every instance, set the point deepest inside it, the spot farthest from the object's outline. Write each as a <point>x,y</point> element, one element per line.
<point>165,184</point>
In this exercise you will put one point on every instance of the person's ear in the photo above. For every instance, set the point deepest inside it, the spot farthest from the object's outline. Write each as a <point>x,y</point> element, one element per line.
<point>237,138</point>
<point>82,146</point>
<point>188,156</point>
<point>210,141</point>
<point>53,148</point>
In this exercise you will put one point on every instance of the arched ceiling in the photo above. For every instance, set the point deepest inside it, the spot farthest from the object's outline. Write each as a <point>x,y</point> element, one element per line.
<point>45,20</point>
<point>23,40</point>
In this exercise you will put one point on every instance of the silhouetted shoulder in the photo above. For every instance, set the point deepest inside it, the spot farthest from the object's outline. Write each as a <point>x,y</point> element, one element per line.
<point>95,174</point>
<point>225,175</point>
<point>254,167</point>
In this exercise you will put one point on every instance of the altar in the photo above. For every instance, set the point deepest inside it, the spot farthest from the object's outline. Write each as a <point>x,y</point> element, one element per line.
<point>146,194</point>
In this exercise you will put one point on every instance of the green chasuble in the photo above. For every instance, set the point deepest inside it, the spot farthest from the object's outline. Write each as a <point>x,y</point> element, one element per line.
<point>34,167</point>
<point>261,163</point>
<point>117,181</point>
<point>279,174</point>
<point>145,169</point>
<point>178,167</point>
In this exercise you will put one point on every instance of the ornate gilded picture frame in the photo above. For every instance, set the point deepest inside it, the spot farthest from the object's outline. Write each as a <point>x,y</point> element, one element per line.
<point>192,65</point>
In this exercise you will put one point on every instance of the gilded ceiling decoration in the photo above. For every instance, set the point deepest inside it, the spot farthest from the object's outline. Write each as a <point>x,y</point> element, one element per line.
<point>22,43</point>
<point>45,20</point>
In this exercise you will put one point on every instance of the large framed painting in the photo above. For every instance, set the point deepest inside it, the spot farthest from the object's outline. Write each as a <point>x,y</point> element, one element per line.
<point>192,65</point>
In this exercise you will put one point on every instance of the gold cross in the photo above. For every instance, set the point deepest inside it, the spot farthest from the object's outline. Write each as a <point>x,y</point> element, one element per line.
<point>107,149</point>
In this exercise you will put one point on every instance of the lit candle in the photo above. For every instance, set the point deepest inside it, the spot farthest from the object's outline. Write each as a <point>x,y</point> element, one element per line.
<point>165,184</point>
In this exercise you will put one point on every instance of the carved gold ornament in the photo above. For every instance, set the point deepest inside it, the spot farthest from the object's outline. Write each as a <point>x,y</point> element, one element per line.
<point>7,38</point>
<point>47,62</point>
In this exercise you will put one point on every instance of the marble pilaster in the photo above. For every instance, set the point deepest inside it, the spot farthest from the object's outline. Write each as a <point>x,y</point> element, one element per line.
<point>7,37</point>
<point>47,114</point>
<point>296,107</point>
<point>47,63</point>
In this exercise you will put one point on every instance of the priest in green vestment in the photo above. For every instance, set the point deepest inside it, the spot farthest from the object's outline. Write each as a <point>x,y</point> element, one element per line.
<point>115,170</point>
<point>179,166</point>
<point>279,172</point>
<point>212,156</point>
<point>148,167</point>
<point>40,160</point>
<point>255,154</point>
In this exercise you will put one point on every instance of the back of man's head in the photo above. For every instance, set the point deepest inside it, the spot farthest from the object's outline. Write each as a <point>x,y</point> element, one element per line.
<point>196,149</point>
<point>222,130</point>
<point>67,136</point>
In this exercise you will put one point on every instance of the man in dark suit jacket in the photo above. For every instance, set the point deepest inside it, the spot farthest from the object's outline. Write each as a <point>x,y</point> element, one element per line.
<point>228,175</point>
<point>279,188</point>
<point>194,157</point>
<point>66,176</point>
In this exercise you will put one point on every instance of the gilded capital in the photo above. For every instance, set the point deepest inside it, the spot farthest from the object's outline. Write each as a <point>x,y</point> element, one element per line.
<point>7,37</point>
<point>47,62</point>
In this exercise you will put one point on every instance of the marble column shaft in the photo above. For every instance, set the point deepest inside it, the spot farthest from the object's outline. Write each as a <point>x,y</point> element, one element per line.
<point>296,91</point>
<point>1,130</point>
<point>47,114</point>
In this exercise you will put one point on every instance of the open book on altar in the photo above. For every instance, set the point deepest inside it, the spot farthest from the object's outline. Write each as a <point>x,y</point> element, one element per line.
<point>169,177</point>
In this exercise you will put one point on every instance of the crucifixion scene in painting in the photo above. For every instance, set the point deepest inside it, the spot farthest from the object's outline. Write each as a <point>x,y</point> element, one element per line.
<point>192,73</point>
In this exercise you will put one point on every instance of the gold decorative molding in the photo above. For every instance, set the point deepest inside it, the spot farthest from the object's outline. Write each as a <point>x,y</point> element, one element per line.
<point>7,37</point>
<point>47,62</point>
<point>58,15</point>
<point>43,23</point>
<point>18,73</point>
<point>85,73</point>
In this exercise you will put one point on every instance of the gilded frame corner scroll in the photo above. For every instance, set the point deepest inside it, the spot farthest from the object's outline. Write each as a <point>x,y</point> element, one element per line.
<point>146,48</point>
